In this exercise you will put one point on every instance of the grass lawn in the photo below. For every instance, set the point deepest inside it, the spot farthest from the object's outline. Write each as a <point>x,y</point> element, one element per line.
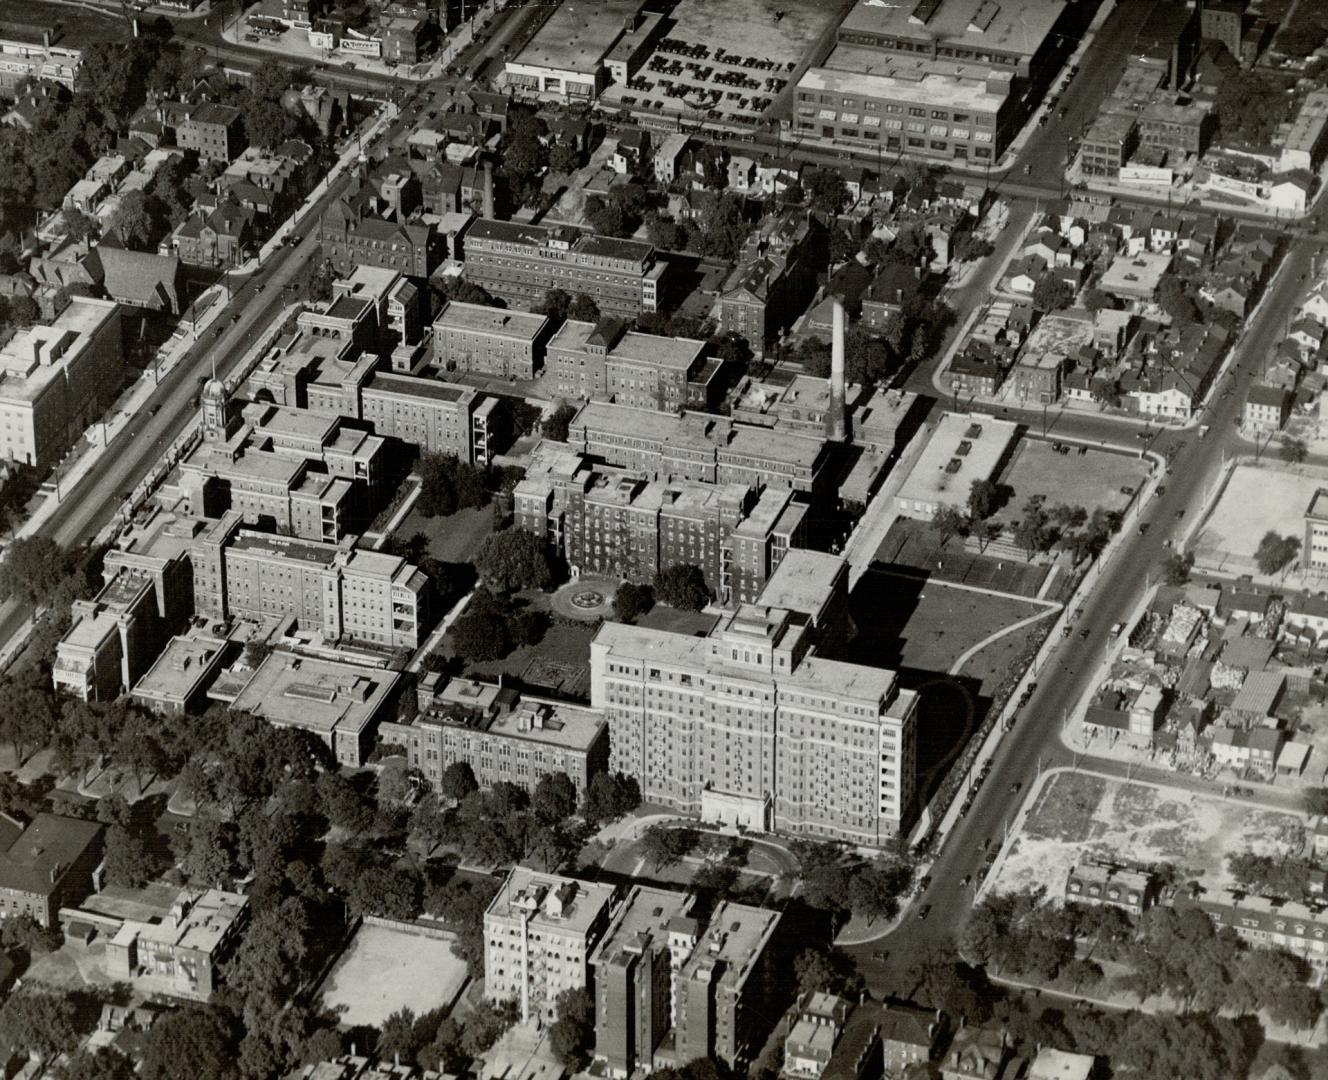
<point>559,662</point>
<point>384,970</point>
<point>906,622</point>
<point>1089,480</point>
<point>913,545</point>
<point>453,539</point>
<point>1007,655</point>
<point>1078,815</point>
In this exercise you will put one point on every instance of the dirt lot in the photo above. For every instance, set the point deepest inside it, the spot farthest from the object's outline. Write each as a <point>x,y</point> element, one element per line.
<point>1076,815</point>
<point>384,970</point>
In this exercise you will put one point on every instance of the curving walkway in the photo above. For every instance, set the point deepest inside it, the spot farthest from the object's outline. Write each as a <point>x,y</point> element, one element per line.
<point>969,653</point>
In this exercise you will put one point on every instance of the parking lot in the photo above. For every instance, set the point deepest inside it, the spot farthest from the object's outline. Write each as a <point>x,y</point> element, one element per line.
<point>724,63</point>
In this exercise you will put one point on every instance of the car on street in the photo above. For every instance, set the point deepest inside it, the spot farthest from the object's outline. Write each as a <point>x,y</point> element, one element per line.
<point>924,883</point>
<point>924,911</point>
<point>963,882</point>
<point>1084,633</point>
<point>1016,787</point>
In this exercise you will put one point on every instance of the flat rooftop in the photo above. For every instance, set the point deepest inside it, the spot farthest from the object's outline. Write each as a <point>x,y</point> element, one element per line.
<point>182,665</point>
<point>284,547</point>
<point>317,695</point>
<point>36,355</point>
<point>1014,27</point>
<point>677,354</point>
<point>207,919</point>
<point>963,448</point>
<point>578,36</point>
<point>564,905</point>
<point>499,322</point>
<point>643,917</point>
<point>803,581</point>
<point>732,942</point>
<point>388,382</point>
<point>932,88</point>
<point>1060,334</point>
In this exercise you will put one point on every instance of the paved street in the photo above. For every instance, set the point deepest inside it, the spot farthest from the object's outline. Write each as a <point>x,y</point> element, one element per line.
<point>1034,741</point>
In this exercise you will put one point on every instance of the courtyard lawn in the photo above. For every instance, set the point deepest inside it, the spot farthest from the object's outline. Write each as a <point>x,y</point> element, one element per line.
<point>452,539</point>
<point>384,970</point>
<point>559,662</point>
<point>1076,815</point>
<point>1089,480</point>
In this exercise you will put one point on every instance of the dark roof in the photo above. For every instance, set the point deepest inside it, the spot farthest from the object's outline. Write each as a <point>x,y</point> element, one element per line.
<point>44,850</point>
<point>908,1024</point>
<point>140,277</point>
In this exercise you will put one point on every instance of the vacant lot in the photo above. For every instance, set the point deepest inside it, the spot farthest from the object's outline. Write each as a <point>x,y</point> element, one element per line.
<point>1089,480</point>
<point>454,538</point>
<point>1077,815</point>
<point>1255,501</point>
<point>384,970</point>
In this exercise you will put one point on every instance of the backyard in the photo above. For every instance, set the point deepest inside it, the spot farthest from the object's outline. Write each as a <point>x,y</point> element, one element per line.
<point>1076,815</point>
<point>384,970</point>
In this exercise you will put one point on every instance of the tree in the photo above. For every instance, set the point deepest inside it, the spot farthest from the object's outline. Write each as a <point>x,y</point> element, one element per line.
<point>207,856</point>
<point>722,227</point>
<point>825,190</point>
<point>631,601</point>
<point>202,1037</point>
<point>22,931</point>
<point>583,309</point>
<point>485,1024</point>
<point>682,586</point>
<point>524,155</point>
<point>875,888</point>
<point>1275,552</point>
<point>39,1023</point>
<point>555,426</point>
<point>267,124</point>
<point>129,862</point>
<point>23,311</point>
<point>1052,293</point>
<point>512,560</point>
<point>270,958</point>
<point>1095,299</point>
<point>28,716</point>
<point>1293,450</point>
<point>554,799</point>
<point>564,157</point>
<point>555,303</point>
<point>104,1063</point>
<point>1315,800</point>
<point>448,484</point>
<point>984,499</point>
<point>78,225</point>
<point>1295,1005</point>
<point>458,781</point>
<point>610,796</point>
<point>948,521</point>
<point>133,220</point>
<point>1175,299</point>
<point>828,970</point>
<point>1178,568</point>
<point>479,637</point>
<point>572,1033</point>
<point>114,809</point>
<point>663,847</point>
<point>970,247</point>
<point>342,803</point>
<point>399,1038</point>
<point>32,569</point>
<point>665,233</point>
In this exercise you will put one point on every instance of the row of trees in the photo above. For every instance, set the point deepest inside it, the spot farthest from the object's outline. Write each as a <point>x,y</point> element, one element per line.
<point>1176,951</point>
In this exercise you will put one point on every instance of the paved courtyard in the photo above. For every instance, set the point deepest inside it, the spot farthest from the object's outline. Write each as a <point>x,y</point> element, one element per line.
<point>1075,815</point>
<point>384,970</point>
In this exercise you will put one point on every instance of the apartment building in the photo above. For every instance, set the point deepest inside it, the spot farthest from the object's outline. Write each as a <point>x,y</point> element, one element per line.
<point>489,340</point>
<point>57,379</point>
<point>292,471</point>
<point>342,592</point>
<point>47,865</point>
<point>1269,923</point>
<point>607,362</point>
<point>181,955</point>
<point>1096,881</point>
<point>699,446</point>
<point>520,263</point>
<point>749,726</point>
<point>659,968</point>
<point>1315,550</point>
<point>25,57</point>
<point>774,278</point>
<point>114,638</point>
<point>539,933</point>
<point>501,735</point>
<point>619,523</point>
<point>178,680</point>
<point>722,988</point>
<point>215,132</point>
<point>341,703</point>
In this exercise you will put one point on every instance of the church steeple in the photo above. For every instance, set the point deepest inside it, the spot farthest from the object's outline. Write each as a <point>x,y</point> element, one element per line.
<point>218,422</point>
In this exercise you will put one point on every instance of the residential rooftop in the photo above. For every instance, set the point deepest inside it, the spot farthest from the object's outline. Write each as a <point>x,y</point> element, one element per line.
<point>555,904</point>
<point>499,322</point>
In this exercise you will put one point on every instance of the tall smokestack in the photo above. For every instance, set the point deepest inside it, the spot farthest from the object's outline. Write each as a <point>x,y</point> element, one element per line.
<point>488,189</point>
<point>836,426</point>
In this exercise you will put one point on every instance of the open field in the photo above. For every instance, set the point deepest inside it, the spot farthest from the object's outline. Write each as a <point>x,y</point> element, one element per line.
<point>1077,815</point>
<point>384,970</point>
<point>1254,501</point>
<point>914,545</point>
<point>1089,480</point>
